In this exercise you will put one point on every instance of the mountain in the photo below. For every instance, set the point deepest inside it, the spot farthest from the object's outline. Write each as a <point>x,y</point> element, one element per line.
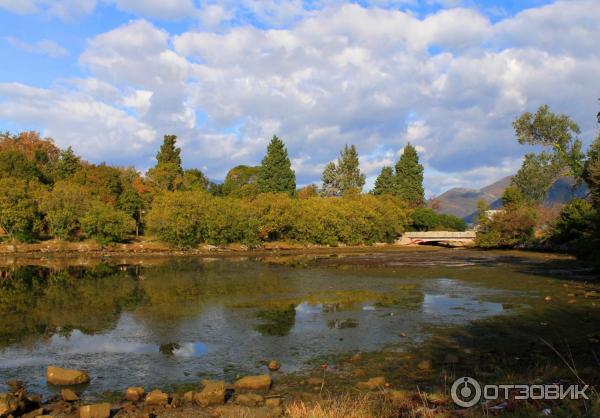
<point>463,202</point>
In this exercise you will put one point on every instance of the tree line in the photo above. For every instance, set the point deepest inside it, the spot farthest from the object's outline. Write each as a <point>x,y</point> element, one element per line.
<point>46,192</point>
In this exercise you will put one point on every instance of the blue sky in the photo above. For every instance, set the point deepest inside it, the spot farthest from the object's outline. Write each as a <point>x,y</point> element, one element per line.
<point>110,77</point>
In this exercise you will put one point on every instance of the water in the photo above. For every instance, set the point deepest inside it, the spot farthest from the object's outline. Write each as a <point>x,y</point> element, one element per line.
<point>180,320</point>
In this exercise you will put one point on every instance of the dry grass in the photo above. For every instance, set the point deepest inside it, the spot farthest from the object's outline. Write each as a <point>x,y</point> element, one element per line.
<point>343,406</point>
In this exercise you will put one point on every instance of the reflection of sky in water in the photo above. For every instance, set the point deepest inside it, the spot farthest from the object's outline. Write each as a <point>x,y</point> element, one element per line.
<point>452,305</point>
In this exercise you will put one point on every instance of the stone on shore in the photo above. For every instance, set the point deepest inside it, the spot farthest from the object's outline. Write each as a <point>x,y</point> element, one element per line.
<point>134,394</point>
<point>188,397</point>
<point>260,382</point>
<point>100,410</point>
<point>65,377</point>
<point>372,384</point>
<point>68,395</point>
<point>274,365</point>
<point>8,404</point>
<point>157,398</point>
<point>213,393</point>
<point>273,402</point>
<point>249,399</point>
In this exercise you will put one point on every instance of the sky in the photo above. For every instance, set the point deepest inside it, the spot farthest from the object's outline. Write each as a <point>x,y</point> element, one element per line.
<point>111,77</point>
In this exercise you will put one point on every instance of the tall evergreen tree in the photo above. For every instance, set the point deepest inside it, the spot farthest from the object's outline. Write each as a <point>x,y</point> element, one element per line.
<point>409,177</point>
<point>167,173</point>
<point>68,163</point>
<point>349,176</point>
<point>331,186</point>
<point>386,182</point>
<point>276,174</point>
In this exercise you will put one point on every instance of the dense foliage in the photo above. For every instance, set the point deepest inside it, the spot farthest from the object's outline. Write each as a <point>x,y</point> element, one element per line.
<point>424,219</point>
<point>275,174</point>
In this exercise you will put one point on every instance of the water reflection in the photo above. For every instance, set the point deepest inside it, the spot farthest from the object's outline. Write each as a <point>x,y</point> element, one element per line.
<point>188,318</point>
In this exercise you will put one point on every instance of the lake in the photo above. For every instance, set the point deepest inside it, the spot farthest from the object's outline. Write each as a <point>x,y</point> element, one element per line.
<point>167,321</point>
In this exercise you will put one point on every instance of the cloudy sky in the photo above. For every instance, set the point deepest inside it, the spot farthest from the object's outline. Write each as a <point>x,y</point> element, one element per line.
<point>110,77</point>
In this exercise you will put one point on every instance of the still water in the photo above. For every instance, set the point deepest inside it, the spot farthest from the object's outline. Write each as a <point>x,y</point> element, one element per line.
<point>177,320</point>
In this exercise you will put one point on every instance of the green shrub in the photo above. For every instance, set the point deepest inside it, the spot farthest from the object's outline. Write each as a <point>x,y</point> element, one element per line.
<point>575,222</point>
<point>18,209</point>
<point>63,208</point>
<point>424,219</point>
<point>105,224</point>
<point>512,226</point>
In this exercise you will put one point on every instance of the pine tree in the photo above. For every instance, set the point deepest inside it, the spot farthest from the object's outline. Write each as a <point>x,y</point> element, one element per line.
<point>330,181</point>
<point>168,173</point>
<point>68,163</point>
<point>348,171</point>
<point>385,183</point>
<point>276,174</point>
<point>409,177</point>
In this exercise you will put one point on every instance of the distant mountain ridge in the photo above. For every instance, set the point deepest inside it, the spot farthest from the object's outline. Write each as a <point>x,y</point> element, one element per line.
<point>462,202</point>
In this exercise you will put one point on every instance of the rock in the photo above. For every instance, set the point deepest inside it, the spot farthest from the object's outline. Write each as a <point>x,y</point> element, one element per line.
<point>249,399</point>
<point>402,334</point>
<point>273,402</point>
<point>34,414</point>
<point>424,365</point>
<point>99,410</point>
<point>274,365</point>
<point>188,397</point>
<point>314,381</point>
<point>64,377</point>
<point>68,395</point>
<point>157,397</point>
<point>372,384</point>
<point>260,382</point>
<point>8,404</point>
<point>134,394</point>
<point>213,393</point>
<point>548,298</point>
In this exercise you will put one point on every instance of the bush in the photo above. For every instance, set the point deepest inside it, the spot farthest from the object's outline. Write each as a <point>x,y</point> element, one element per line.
<point>185,219</point>
<point>63,208</point>
<point>424,219</point>
<point>575,223</point>
<point>105,224</point>
<point>510,227</point>
<point>18,209</point>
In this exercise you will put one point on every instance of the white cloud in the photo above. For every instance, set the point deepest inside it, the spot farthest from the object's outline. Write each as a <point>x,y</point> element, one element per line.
<point>450,82</point>
<point>160,9</point>
<point>44,47</point>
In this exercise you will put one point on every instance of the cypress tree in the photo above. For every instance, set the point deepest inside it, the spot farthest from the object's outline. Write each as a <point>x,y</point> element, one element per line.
<point>386,182</point>
<point>167,173</point>
<point>409,177</point>
<point>348,171</point>
<point>276,174</point>
<point>169,153</point>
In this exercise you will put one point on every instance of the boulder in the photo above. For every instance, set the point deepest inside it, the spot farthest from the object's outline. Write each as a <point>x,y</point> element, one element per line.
<point>188,397</point>
<point>68,395</point>
<point>372,384</point>
<point>99,410</point>
<point>274,365</point>
<point>65,377</point>
<point>249,399</point>
<point>157,397</point>
<point>424,365</point>
<point>260,382</point>
<point>273,402</point>
<point>213,393</point>
<point>134,394</point>
<point>8,404</point>
<point>36,413</point>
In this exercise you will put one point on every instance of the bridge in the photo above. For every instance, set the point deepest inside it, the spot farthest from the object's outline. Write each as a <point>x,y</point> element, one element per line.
<point>442,237</point>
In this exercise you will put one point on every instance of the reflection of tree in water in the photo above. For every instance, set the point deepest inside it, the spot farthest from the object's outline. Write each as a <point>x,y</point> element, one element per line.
<point>278,322</point>
<point>43,301</point>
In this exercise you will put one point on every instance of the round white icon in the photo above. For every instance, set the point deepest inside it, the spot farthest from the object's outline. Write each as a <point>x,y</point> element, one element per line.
<point>466,392</point>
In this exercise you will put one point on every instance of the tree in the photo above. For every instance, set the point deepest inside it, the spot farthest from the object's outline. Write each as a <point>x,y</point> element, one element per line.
<point>106,224</point>
<point>132,204</point>
<point>350,179</point>
<point>386,182</point>
<point>409,177</point>
<point>194,179</point>
<point>63,208</point>
<point>330,179</point>
<point>167,173</point>
<point>276,174</point>
<point>15,164</point>
<point>241,181</point>
<point>344,177</point>
<point>18,209</point>
<point>557,132</point>
<point>68,163</point>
